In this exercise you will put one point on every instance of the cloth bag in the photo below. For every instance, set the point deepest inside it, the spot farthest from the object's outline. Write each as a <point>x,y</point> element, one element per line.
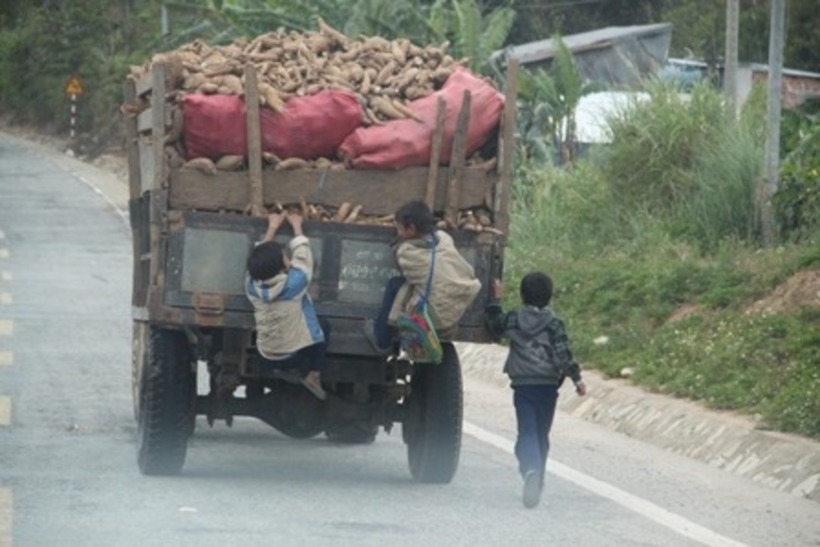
<point>417,336</point>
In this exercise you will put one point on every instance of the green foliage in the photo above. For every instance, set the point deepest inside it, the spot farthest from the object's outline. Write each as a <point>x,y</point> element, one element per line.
<point>549,100</point>
<point>680,158</point>
<point>797,201</point>
<point>668,280</point>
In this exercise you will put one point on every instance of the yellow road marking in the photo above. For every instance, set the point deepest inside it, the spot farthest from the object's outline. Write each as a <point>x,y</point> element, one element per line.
<point>6,327</point>
<point>4,253</point>
<point>5,298</point>
<point>5,276</point>
<point>5,517</point>
<point>5,410</point>
<point>6,358</point>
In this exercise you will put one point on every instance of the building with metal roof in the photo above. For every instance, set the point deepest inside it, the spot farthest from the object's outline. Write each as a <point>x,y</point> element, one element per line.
<point>619,57</point>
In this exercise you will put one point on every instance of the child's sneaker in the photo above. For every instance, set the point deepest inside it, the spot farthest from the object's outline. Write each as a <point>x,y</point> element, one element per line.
<point>532,489</point>
<point>314,384</point>
<point>369,330</point>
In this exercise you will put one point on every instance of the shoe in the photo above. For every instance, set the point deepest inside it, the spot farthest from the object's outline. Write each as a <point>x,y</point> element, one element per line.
<point>369,330</point>
<point>532,489</point>
<point>314,385</point>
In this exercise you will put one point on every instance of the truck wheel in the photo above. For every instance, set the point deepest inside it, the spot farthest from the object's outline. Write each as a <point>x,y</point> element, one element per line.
<point>432,430</point>
<point>137,360</point>
<point>354,433</point>
<point>167,403</point>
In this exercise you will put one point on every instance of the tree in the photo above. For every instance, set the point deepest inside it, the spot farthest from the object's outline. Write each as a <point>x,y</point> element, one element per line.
<point>550,103</point>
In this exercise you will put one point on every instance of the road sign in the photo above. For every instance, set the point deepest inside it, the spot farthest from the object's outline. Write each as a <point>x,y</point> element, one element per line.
<point>74,86</point>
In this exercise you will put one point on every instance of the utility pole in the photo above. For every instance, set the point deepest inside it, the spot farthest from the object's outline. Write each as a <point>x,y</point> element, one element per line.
<point>730,58</point>
<point>773,110</point>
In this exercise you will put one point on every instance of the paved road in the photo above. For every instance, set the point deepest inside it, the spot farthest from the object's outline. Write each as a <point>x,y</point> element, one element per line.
<point>68,474</point>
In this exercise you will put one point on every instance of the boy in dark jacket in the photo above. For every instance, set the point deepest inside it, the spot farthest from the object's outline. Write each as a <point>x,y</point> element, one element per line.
<point>539,360</point>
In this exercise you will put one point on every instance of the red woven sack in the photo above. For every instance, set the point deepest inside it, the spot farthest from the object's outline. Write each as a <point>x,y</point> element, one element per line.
<point>308,127</point>
<point>405,143</point>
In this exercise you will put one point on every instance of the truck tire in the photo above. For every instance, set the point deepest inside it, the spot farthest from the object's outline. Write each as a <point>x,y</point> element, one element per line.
<point>137,359</point>
<point>432,430</point>
<point>167,403</point>
<point>353,433</point>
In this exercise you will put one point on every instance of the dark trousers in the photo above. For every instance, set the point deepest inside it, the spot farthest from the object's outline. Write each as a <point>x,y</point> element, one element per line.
<point>534,412</point>
<point>309,358</point>
<point>384,332</point>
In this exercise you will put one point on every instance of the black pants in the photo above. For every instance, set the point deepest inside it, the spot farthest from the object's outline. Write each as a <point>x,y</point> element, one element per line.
<point>534,412</point>
<point>307,359</point>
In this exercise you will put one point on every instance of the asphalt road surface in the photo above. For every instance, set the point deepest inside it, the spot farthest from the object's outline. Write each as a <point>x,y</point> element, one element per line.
<point>68,473</point>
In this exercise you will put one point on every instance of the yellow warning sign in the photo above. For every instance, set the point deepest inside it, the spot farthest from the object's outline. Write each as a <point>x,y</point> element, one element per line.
<point>74,86</point>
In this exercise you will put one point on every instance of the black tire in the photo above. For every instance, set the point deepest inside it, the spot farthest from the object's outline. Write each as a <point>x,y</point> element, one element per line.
<point>432,430</point>
<point>138,343</point>
<point>354,433</point>
<point>167,403</point>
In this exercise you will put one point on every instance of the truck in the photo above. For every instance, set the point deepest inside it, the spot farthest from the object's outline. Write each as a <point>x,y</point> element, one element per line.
<point>191,235</point>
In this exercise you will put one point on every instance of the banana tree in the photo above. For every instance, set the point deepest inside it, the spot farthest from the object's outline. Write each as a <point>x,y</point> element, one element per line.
<point>549,103</point>
<point>475,34</point>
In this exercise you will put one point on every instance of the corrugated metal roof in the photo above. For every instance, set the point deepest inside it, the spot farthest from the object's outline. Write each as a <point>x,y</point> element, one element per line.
<point>545,49</point>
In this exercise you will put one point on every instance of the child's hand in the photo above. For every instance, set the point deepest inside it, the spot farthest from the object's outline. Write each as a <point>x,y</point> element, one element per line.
<point>275,220</point>
<point>581,389</point>
<point>497,289</point>
<point>295,220</point>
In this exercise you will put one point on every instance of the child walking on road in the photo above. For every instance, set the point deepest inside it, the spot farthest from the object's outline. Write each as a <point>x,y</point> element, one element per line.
<point>289,336</point>
<point>538,361</point>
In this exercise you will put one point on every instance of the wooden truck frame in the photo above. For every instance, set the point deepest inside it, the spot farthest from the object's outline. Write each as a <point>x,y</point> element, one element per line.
<point>191,238</point>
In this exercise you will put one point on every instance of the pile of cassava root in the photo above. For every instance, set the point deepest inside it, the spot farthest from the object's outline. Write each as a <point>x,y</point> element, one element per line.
<point>384,74</point>
<point>477,219</point>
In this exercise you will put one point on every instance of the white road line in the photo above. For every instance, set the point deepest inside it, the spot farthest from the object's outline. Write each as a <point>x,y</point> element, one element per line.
<point>6,358</point>
<point>645,508</point>
<point>5,276</point>
<point>5,298</point>
<point>123,214</point>
<point>4,253</point>
<point>2,234</point>
<point>6,327</point>
<point>5,410</point>
<point>5,517</point>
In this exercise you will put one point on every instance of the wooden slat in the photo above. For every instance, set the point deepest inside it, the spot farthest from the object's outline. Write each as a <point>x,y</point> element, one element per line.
<point>132,145</point>
<point>506,149</point>
<point>254,140</point>
<point>145,119</point>
<point>377,191</point>
<point>435,153</point>
<point>144,84</point>
<point>158,125</point>
<point>157,206</point>
<point>146,162</point>
<point>457,160</point>
<point>134,190</point>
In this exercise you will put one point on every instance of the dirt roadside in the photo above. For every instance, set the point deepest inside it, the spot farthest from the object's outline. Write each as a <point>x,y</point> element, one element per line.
<point>728,441</point>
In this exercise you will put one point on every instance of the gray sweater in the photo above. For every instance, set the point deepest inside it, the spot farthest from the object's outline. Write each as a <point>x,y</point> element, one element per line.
<point>539,346</point>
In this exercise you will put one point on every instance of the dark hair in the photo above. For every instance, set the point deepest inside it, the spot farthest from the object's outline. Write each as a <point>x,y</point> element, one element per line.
<point>417,214</point>
<point>536,289</point>
<point>266,260</point>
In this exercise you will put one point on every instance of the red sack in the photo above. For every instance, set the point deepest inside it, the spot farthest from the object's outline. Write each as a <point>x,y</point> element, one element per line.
<point>405,143</point>
<point>308,128</point>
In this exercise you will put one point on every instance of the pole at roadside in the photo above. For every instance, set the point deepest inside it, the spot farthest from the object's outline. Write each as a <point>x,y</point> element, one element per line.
<point>771,177</point>
<point>73,115</point>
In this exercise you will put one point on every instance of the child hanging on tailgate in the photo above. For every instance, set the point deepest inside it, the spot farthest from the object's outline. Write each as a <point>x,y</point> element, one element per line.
<point>539,360</point>
<point>289,335</point>
<point>453,287</point>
